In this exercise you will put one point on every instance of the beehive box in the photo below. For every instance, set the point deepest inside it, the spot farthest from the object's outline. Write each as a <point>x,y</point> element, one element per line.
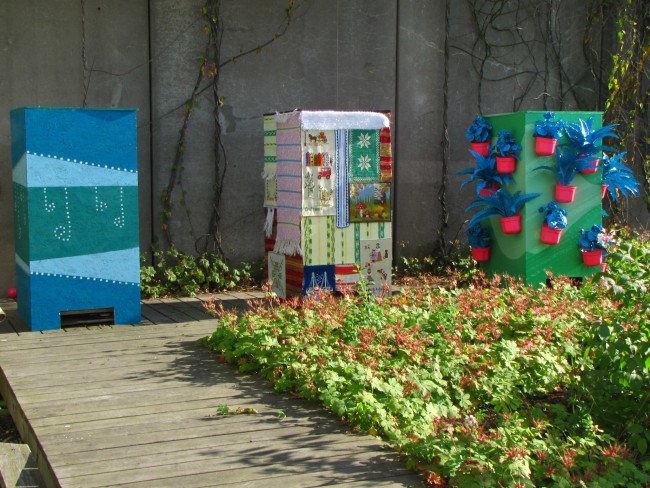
<point>524,255</point>
<point>328,208</point>
<point>75,184</point>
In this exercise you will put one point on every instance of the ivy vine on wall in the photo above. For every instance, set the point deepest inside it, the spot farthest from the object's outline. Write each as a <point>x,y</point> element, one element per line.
<point>629,92</point>
<point>208,74</point>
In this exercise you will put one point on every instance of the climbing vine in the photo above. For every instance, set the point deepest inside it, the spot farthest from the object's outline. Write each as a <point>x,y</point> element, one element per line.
<point>629,95</point>
<point>444,146</point>
<point>207,80</point>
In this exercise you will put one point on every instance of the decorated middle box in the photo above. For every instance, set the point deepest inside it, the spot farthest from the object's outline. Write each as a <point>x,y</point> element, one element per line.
<point>327,178</point>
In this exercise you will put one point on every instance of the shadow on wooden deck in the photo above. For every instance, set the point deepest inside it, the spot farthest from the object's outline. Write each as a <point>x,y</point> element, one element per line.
<point>137,406</point>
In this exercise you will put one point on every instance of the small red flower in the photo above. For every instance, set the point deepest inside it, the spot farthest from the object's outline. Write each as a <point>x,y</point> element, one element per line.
<point>615,451</point>
<point>434,479</point>
<point>569,458</point>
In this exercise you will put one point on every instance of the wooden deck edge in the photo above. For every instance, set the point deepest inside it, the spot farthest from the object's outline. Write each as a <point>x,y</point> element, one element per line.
<point>26,432</point>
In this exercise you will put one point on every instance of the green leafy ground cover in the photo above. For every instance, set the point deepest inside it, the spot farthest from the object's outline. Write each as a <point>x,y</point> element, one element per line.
<point>490,384</point>
<point>175,273</point>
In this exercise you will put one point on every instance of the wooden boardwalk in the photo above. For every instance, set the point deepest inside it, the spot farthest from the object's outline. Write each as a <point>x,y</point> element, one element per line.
<point>137,406</point>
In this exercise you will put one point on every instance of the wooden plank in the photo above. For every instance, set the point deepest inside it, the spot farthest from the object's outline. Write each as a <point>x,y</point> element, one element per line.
<point>111,368</point>
<point>407,480</point>
<point>219,447</point>
<point>66,354</point>
<point>303,472</point>
<point>49,392</point>
<point>193,308</point>
<point>37,340</point>
<point>169,309</point>
<point>153,314</point>
<point>161,437</point>
<point>126,404</point>
<point>200,408</point>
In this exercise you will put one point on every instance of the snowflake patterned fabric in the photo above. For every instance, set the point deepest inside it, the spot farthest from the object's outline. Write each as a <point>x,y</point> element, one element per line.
<point>364,156</point>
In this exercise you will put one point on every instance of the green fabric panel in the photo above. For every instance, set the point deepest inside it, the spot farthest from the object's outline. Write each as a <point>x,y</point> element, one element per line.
<point>364,156</point>
<point>77,221</point>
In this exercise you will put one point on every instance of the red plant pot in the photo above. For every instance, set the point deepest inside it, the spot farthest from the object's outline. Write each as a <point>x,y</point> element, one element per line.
<point>564,193</point>
<point>480,147</point>
<point>511,225</point>
<point>590,171</point>
<point>604,191</point>
<point>506,165</point>
<point>489,191</point>
<point>550,236</point>
<point>481,254</point>
<point>592,258</point>
<point>545,146</point>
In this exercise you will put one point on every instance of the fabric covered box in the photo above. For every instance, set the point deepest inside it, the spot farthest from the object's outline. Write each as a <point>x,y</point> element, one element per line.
<point>327,179</point>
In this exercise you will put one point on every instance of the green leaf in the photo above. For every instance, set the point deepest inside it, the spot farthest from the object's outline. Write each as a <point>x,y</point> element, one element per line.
<point>604,331</point>
<point>635,429</point>
<point>642,445</point>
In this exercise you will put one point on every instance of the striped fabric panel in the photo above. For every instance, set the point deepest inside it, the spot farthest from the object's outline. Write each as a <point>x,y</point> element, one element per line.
<point>342,170</point>
<point>346,277</point>
<point>270,162</point>
<point>344,251</point>
<point>318,237</point>
<point>289,186</point>
<point>295,275</point>
<point>307,240</point>
<point>330,239</point>
<point>269,139</point>
<point>385,155</point>
<point>357,243</point>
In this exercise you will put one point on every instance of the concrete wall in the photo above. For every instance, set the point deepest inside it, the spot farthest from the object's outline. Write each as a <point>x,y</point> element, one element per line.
<point>337,54</point>
<point>42,46</point>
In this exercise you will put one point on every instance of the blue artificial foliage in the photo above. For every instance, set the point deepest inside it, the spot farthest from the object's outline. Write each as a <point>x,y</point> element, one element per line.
<point>485,173</point>
<point>506,145</point>
<point>584,139</point>
<point>591,240</point>
<point>478,236</point>
<point>479,131</point>
<point>555,216</point>
<point>548,127</point>
<point>568,164</point>
<point>618,177</point>
<point>502,204</point>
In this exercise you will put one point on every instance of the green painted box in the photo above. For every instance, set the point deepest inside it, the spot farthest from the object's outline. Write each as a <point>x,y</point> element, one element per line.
<point>524,255</point>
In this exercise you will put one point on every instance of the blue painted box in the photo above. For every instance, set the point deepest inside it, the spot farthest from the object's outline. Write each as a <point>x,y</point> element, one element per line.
<point>75,183</point>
